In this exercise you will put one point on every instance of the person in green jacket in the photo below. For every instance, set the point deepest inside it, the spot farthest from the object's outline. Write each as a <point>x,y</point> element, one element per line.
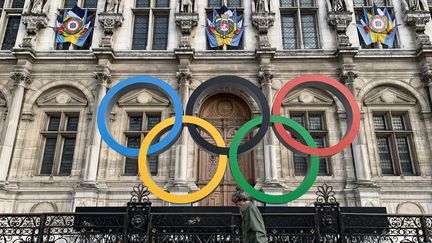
<point>253,228</point>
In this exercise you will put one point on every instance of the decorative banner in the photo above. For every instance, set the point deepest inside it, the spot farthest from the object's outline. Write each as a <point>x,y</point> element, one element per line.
<point>263,122</point>
<point>74,27</point>
<point>377,27</point>
<point>225,28</point>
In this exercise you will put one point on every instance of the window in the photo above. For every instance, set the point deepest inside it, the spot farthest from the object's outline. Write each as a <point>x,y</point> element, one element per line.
<point>135,133</point>
<point>358,8</point>
<point>11,32</point>
<point>18,3</point>
<point>151,25</point>
<point>228,3</point>
<point>315,124</point>
<point>394,143</point>
<point>91,5</point>
<point>299,24</point>
<point>59,144</point>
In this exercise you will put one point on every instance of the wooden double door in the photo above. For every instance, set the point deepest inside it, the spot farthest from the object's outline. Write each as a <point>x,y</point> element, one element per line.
<point>227,113</point>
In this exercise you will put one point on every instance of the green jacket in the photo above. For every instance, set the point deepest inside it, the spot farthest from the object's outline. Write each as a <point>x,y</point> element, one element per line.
<point>253,229</point>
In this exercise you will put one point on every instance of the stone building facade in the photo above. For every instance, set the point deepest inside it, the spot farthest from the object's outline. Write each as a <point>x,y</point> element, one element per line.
<point>52,157</point>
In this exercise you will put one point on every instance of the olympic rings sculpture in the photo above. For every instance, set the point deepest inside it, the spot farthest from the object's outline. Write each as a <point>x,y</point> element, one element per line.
<point>268,118</point>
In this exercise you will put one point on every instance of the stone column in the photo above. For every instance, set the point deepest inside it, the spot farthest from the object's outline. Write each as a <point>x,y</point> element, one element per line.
<point>270,159</point>
<point>103,80</point>
<point>181,159</point>
<point>361,162</point>
<point>21,81</point>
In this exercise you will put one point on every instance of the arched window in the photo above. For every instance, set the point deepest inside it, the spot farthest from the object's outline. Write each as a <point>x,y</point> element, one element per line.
<point>63,120</point>
<point>391,110</point>
<point>312,109</point>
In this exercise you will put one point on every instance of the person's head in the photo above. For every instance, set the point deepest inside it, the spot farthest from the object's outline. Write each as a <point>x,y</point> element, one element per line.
<point>241,198</point>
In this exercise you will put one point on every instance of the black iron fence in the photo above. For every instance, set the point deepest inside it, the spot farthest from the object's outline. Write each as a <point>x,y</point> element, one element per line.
<point>140,222</point>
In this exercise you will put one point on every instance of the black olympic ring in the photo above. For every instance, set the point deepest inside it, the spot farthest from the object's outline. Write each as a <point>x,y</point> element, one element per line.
<point>245,85</point>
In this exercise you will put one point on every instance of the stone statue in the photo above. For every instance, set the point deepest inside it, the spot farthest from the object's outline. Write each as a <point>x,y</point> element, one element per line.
<point>36,7</point>
<point>186,6</point>
<point>336,5</point>
<point>415,5</point>
<point>261,6</point>
<point>113,6</point>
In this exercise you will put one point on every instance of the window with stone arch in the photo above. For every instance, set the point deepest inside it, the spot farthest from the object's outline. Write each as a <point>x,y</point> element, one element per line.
<point>299,24</point>
<point>63,125</point>
<point>313,110</point>
<point>141,110</point>
<point>10,13</point>
<point>392,112</point>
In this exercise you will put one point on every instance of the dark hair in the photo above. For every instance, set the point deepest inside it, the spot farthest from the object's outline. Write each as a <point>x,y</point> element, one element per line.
<point>239,196</point>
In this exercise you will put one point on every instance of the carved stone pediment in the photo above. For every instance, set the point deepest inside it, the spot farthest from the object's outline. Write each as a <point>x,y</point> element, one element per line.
<point>62,97</point>
<point>389,96</point>
<point>143,97</point>
<point>308,97</point>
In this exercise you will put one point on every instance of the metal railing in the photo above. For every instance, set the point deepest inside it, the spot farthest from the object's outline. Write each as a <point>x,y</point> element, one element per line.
<point>140,222</point>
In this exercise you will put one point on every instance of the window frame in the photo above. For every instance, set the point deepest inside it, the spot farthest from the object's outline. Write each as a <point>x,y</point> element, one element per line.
<point>391,134</point>
<point>297,11</point>
<point>127,133</point>
<point>323,133</point>
<point>151,12</point>
<point>60,135</point>
<point>7,11</point>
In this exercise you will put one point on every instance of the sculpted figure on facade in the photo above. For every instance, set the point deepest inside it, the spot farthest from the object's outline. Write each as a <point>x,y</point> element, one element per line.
<point>336,5</point>
<point>262,6</point>
<point>186,6</point>
<point>415,5</point>
<point>113,6</point>
<point>36,7</point>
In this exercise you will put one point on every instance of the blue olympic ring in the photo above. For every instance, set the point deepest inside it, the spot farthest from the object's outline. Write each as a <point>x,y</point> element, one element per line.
<point>107,103</point>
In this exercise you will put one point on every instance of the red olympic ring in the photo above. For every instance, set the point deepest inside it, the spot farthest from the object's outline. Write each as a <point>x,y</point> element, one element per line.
<point>334,87</point>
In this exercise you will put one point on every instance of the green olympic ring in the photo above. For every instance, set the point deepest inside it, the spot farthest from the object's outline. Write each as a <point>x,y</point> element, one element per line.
<point>261,196</point>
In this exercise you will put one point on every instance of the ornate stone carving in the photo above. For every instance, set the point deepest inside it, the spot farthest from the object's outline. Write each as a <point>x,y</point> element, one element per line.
<point>21,78</point>
<point>33,23</point>
<point>261,6</point>
<point>417,20</point>
<point>265,75</point>
<point>186,6</point>
<point>36,7</point>
<point>348,77</point>
<point>114,6</point>
<point>109,22</point>
<point>184,76</point>
<point>340,22</point>
<point>186,22</point>
<point>336,6</point>
<point>262,22</point>
<point>427,77</point>
<point>102,78</point>
<point>415,5</point>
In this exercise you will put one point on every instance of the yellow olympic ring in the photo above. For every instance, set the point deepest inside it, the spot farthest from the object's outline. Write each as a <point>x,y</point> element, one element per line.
<point>188,198</point>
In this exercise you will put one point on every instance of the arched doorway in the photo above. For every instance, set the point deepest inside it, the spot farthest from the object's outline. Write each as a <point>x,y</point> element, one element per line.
<point>227,112</point>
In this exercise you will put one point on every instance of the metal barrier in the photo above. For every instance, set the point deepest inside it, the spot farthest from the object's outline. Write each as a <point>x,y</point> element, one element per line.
<point>326,222</point>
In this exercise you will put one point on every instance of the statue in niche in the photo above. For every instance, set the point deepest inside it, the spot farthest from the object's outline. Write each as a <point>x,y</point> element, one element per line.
<point>186,6</point>
<point>415,5</point>
<point>113,6</point>
<point>36,7</point>
<point>261,6</point>
<point>336,5</point>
